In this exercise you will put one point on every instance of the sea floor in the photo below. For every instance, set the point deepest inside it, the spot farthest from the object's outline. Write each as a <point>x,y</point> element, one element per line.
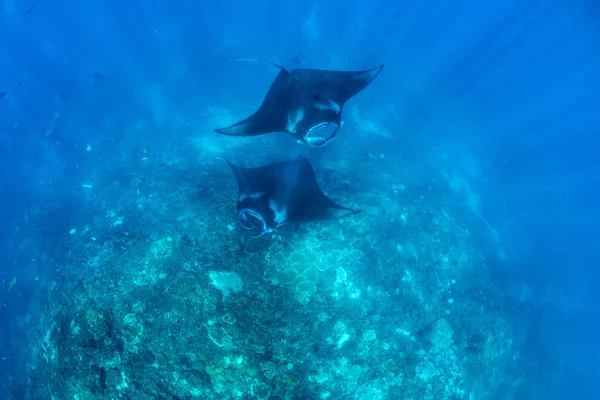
<point>159,295</point>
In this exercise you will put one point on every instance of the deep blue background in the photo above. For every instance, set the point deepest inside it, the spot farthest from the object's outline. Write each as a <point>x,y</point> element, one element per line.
<point>512,86</point>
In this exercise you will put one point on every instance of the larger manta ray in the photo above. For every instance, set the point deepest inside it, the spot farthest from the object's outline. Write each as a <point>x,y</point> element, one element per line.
<point>305,103</point>
<point>276,194</point>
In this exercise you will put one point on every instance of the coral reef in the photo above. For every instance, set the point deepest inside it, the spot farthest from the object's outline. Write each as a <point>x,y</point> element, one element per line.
<point>161,296</point>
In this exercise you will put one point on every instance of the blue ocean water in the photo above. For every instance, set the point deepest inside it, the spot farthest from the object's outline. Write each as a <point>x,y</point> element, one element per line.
<point>471,272</point>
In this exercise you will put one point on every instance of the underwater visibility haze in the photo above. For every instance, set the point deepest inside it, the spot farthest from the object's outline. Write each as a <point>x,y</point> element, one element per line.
<point>238,200</point>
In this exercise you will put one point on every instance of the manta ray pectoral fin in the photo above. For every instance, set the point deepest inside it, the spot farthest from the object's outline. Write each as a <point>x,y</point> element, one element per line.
<point>243,182</point>
<point>361,80</point>
<point>233,130</point>
<point>341,212</point>
<point>242,128</point>
<point>368,75</point>
<point>263,61</point>
<point>271,115</point>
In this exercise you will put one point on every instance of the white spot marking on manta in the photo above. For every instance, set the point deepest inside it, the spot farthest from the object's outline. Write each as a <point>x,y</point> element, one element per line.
<point>293,119</point>
<point>335,106</point>
<point>280,213</point>
<point>250,195</point>
<point>331,106</point>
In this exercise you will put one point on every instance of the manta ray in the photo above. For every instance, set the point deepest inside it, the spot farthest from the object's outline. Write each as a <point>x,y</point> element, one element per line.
<point>305,103</point>
<point>275,194</point>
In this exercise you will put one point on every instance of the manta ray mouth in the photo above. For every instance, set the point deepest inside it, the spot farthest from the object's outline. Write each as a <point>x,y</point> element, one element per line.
<point>321,134</point>
<point>251,219</point>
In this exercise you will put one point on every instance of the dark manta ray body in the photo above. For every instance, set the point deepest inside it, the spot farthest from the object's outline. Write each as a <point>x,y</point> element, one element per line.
<point>305,103</point>
<point>275,194</point>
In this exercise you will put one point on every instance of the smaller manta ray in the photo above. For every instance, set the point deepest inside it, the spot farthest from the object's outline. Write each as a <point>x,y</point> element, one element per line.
<point>305,103</point>
<point>276,194</point>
